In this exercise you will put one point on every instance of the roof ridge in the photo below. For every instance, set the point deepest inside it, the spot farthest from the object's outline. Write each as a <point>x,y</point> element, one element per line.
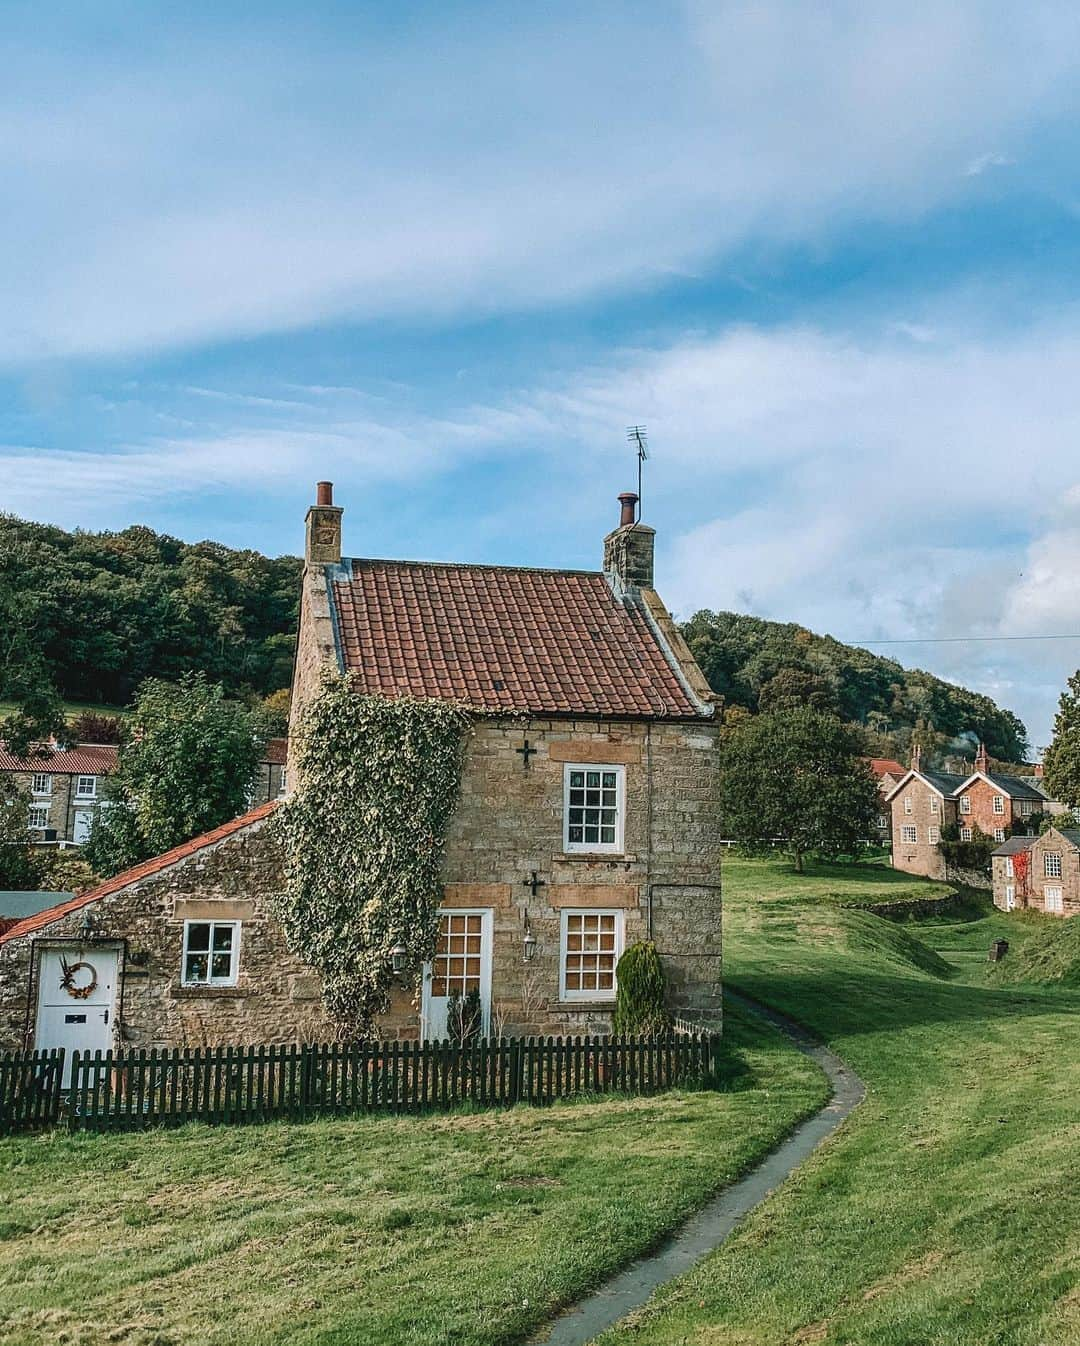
<point>469,565</point>
<point>143,870</point>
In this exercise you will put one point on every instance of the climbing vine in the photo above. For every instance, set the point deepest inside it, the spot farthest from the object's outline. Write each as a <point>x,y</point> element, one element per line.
<point>363,835</point>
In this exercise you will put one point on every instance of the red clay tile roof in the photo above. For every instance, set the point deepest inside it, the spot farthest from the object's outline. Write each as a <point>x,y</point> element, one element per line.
<point>276,751</point>
<point>83,760</point>
<point>885,766</point>
<point>503,639</point>
<point>133,875</point>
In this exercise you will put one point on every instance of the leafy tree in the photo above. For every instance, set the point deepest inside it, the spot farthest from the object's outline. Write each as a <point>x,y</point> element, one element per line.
<point>90,727</point>
<point>797,775</point>
<point>187,760</point>
<point>18,872</point>
<point>1062,760</point>
<point>38,718</point>
<point>275,709</point>
<point>794,687</point>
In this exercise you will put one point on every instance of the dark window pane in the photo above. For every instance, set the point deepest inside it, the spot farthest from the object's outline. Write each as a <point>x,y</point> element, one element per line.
<point>198,936</point>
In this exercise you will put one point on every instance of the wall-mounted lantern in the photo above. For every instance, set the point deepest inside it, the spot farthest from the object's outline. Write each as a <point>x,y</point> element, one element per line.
<point>528,944</point>
<point>398,958</point>
<point>86,925</point>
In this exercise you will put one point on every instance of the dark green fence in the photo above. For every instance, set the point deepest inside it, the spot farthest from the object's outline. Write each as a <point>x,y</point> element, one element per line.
<point>251,1084</point>
<point>30,1091</point>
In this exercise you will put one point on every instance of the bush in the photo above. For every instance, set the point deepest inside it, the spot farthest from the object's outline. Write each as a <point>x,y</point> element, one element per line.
<point>641,991</point>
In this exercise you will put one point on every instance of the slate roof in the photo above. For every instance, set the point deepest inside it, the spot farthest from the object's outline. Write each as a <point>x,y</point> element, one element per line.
<point>1071,835</point>
<point>1017,787</point>
<point>504,638</point>
<point>82,760</point>
<point>41,919</point>
<point>945,781</point>
<point>19,904</point>
<point>1014,845</point>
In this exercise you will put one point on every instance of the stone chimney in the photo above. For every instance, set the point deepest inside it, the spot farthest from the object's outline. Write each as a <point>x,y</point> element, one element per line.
<point>982,762</point>
<point>1039,771</point>
<point>916,757</point>
<point>628,551</point>
<point>323,539</point>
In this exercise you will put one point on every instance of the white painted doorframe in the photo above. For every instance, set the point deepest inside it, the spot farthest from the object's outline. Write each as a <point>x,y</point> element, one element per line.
<point>433,1008</point>
<point>76,999</point>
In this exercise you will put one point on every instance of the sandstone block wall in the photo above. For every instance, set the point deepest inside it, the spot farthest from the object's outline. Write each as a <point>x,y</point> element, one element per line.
<point>920,857</point>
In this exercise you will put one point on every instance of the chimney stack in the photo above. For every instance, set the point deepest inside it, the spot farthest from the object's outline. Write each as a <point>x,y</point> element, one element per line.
<point>1039,771</point>
<point>628,551</point>
<point>981,761</point>
<point>323,524</point>
<point>916,757</point>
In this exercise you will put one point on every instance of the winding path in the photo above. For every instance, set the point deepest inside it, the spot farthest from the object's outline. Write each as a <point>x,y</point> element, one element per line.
<point>713,1224</point>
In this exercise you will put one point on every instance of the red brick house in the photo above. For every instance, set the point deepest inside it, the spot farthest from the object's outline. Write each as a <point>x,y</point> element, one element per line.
<point>888,773</point>
<point>587,819</point>
<point>996,803</point>
<point>1039,873</point>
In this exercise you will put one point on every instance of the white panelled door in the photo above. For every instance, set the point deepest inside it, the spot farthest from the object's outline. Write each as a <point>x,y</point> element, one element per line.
<point>462,964</point>
<point>76,1001</point>
<point>80,832</point>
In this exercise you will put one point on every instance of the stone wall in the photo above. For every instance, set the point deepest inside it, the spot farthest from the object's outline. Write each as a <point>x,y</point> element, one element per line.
<point>277,996</point>
<point>922,856</point>
<point>508,825</point>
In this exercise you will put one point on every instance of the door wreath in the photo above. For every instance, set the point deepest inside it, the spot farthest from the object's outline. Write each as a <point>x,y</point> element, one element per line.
<point>67,979</point>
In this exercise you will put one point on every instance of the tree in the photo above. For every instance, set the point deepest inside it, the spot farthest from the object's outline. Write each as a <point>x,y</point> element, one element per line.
<point>794,687</point>
<point>799,775</point>
<point>187,760</point>
<point>91,727</point>
<point>275,709</point>
<point>1062,760</point>
<point>17,869</point>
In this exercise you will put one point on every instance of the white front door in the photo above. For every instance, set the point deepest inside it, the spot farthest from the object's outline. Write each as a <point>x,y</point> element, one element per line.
<point>80,833</point>
<point>462,965</point>
<point>1010,896</point>
<point>76,997</point>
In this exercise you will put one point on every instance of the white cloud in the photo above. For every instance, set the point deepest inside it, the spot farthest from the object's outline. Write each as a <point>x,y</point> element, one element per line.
<point>196,183</point>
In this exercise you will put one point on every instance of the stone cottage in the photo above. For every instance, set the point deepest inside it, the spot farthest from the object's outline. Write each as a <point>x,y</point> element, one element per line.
<point>1039,873</point>
<point>587,820</point>
<point>64,789</point>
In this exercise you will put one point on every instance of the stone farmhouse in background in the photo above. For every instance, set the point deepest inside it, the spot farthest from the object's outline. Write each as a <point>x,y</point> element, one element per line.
<point>1039,873</point>
<point>64,790</point>
<point>888,773</point>
<point>587,820</point>
<point>923,802</point>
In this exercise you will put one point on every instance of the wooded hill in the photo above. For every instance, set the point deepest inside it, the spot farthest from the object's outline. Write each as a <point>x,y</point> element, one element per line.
<point>96,613</point>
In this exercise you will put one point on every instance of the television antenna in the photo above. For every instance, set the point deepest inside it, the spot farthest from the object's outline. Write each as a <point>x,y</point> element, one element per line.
<point>637,436</point>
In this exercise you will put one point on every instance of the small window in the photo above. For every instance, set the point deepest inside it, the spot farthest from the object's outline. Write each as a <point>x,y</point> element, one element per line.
<point>999,804</point>
<point>933,835</point>
<point>211,953</point>
<point>1053,900</point>
<point>1027,808</point>
<point>999,834</point>
<point>965,834</point>
<point>39,817</point>
<point>909,835</point>
<point>934,801</point>
<point>281,784</point>
<point>593,808</point>
<point>883,820</point>
<point>907,803</point>
<point>1010,868</point>
<point>965,803</point>
<point>591,945</point>
<point>1052,865</point>
<point>85,787</point>
<point>42,783</point>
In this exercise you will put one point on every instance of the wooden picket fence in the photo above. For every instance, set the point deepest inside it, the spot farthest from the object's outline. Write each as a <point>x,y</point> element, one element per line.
<point>30,1090</point>
<point>252,1084</point>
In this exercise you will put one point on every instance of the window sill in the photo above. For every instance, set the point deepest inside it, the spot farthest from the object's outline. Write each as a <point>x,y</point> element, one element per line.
<point>180,992</point>
<point>593,858</point>
<point>586,1004</point>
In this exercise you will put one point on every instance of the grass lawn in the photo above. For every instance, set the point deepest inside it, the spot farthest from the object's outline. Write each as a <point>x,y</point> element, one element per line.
<point>462,1229</point>
<point>948,1209</point>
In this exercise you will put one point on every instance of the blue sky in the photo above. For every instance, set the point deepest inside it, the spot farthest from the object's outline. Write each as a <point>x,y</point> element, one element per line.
<point>444,255</point>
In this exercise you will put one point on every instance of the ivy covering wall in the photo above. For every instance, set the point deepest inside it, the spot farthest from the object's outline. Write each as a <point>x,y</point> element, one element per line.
<point>363,834</point>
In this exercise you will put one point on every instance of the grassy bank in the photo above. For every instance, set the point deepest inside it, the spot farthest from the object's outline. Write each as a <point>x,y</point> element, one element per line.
<point>464,1229</point>
<point>948,1210</point>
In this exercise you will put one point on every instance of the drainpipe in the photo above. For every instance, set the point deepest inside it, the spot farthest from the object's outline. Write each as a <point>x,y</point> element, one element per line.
<point>649,827</point>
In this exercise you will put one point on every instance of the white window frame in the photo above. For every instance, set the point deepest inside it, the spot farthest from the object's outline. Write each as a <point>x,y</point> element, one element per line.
<point>909,835</point>
<point>1027,808</point>
<point>1010,868</point>
<point>999,834</point>
<point>907,803</point>
<point>41,785</point>
<point>596,847</point>
<point>965,803</point>
<point>1010,896</point>
<point>80,792</point>
<point>1054,899</point>
<point>934,802</point>
<point>966,834</point>
<point>234,968</point>
<point>999,805</point>
<point>281,784</point>
<point>1052,865</point>
<point>38,817</point>
<point>620,941</point>
<point>933,835</point>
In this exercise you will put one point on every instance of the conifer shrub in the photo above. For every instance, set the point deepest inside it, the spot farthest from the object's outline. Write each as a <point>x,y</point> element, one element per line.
<point>641,991</point>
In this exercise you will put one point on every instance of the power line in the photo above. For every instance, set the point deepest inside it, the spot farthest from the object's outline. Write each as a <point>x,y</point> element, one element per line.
<point>951,640</point>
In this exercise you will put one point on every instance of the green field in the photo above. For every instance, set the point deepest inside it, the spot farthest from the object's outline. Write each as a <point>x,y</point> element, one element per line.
<point>470,1228</point>
<point>947,1212</point>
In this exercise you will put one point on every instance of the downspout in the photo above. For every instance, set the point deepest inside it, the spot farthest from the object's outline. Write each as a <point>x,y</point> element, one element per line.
<point>649,827</point>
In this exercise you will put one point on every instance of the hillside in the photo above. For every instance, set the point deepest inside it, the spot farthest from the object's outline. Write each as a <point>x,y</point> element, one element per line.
<point>756,664</point>
<point>96,613</point>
